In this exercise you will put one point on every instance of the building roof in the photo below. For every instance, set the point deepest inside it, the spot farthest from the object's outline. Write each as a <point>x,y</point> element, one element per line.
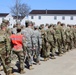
<point>3,14</point>
<point>53,12</point>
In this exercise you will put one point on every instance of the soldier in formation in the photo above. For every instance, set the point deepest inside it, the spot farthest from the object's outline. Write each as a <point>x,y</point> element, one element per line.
<point>5,48</point>
<point>31,42</point>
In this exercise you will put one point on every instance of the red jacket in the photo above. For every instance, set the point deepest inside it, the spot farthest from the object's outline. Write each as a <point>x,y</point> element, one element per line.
<point>16,41</point>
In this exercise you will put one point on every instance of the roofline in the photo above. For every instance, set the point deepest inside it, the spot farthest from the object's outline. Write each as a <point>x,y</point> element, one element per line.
<point>52,12</point>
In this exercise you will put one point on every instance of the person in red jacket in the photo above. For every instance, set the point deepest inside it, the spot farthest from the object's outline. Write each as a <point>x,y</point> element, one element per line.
<point>17,47</point>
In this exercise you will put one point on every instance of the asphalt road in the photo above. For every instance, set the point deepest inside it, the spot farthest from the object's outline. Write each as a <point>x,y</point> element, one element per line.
<point>64,65</point>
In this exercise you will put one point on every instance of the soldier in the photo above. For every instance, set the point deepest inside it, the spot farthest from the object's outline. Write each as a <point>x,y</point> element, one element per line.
<point>74,36</point>
<point>38,40</point>
<point>46,27</point>
<point>30,43</point>
<point>68,35</point>
<point>51,40</point>
<point>58,38</point>
<point>17,48</point>
<point>63,37</point>
<point>5,50</point>
<point>44,43</point>
<point>6,22</point>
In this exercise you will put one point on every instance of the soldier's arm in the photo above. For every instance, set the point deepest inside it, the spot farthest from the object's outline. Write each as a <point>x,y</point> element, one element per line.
<point>40,39</point>
<point>45,36</point>
<point>24,43</point>
<point>8,44</point>
<point>33,38</point>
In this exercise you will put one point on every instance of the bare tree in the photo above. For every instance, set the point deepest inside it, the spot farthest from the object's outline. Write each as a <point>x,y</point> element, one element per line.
<point>24,9</point>
<point>20,9</point>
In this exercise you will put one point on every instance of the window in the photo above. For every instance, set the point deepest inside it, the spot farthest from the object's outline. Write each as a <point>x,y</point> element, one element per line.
<point>63,17</point>
<point>39,17</point>
<point>32,17</point>
<point>9,19</point>
<point>2,18</point>
<point>71,18</point>
<point>55,18</point>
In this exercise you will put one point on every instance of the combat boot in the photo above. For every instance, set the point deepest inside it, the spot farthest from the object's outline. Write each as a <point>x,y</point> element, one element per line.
<point>45,59</point>
<point>48,58</point>
<point>38,63</point>
<point>53,57</point>
<point>60,54</point>
<point>9,73</point>
<point>30,67</point>
<point>22,72</point>
<point>1,68</point>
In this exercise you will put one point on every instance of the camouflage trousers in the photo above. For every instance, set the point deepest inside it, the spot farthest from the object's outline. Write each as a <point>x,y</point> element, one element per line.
<point>5,62</point>
<point>72,43</point>
<point>68,45</point>
<point>44,50</point>
<point>75,43</point>
<point>64,46</point>
<point>37,54</point>
<point>59,45</point>
<point>29,57</point>
<point>20,58</point>
<point>51,47</point>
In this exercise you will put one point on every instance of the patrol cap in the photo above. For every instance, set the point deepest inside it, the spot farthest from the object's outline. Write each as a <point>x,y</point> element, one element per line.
<point>47,24</point>
<point>18,23</point>
<point>28,23</point>
<point>5,21</point>
<point>3,24</point>
<point>18,27</point>
<point>36,27</point>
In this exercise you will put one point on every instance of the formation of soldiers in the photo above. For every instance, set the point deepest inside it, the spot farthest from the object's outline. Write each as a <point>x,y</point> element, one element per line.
<point>31,42</point>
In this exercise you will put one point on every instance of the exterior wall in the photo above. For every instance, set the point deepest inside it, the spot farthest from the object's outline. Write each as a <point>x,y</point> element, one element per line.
<point>11,20</point>
<point>44,19</point>
<point>0,20</point>
<point>23,20</point>
<point>50,19</point>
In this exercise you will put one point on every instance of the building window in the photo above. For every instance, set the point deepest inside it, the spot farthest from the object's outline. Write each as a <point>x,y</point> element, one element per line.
<point>2,18</point>
<point>63,17</point>
<point>32,17</point>
<point>9,19</point>
<point>39,17</point>
<point>71,18</point>
<point>55,17</point>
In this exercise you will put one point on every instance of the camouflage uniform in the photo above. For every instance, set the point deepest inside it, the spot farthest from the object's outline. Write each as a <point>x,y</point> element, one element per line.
<point>30,44</point>
<point>5,51</point>
<point>44,42</point>
<point>58,38</point>
<point>51,41</point>
<point>74,37</point>
<point>68,36</point>
<point>63,37</point>
<point>38,40</point>
<point>19,50</point>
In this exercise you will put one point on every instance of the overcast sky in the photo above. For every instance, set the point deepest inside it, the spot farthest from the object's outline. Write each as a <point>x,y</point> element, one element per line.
<point>40,4</point>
